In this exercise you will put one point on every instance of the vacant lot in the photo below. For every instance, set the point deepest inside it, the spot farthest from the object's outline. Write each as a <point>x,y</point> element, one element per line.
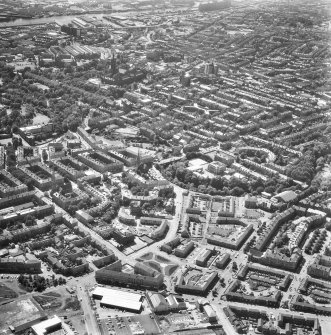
<point>47,303</point>
<point>17,312</point>
<point>6,292</point>
<point>72,304</point>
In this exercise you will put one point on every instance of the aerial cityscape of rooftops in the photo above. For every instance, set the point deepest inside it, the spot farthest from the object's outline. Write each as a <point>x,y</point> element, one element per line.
<point>165,167</point>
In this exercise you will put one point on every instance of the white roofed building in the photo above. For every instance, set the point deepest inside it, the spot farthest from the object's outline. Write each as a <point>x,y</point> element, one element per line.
<point>161,304</point>
<point>47,326</point>
<point>118,299</point>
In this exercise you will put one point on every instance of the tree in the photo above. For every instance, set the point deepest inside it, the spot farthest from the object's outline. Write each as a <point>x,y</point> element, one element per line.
<point>217,183</point>
<point>81,204</point>
<point>72,209</point>
<point>66,179</point>
<point>259,189</point>
<point>94,201</point>
<point>109,216</point>
<point>29,183</point>
<point>44,155</point>
<point>237,191</point>
<point>62,281</point>
<point>180,174</point>
<point>20,279</point>
<point>29,220</point>
<point>202,188</point>
<point>15,142</point>
<point>270,189</point>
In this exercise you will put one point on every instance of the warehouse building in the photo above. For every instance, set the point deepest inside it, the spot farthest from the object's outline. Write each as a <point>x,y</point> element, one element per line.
<point>118,299</point>
<point>47,326</point>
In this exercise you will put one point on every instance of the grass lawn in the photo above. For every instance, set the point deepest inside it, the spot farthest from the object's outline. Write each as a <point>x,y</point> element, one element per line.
<point>6,292</point>
<point>40,119</point>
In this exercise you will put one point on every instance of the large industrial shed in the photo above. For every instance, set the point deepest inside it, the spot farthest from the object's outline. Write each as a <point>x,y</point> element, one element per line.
<point>118,299</point>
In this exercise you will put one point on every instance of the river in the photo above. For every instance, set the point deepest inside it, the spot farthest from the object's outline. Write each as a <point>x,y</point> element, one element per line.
<point>63,19</point>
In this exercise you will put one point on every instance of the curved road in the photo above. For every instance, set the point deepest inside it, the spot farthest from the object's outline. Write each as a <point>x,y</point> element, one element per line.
<point>130,259</point>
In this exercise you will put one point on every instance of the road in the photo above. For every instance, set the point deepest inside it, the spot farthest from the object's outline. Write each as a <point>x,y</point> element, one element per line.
<point>89,317</point>
<point>172,232</point>
<point>219,305</point>
<point>223,320</point>
<point>124,258</point>
<point>173,225</point>
<point>93,234</point>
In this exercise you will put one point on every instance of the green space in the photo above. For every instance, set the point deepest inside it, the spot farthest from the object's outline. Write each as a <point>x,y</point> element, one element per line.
<point>147,256</point>
<point>53,294</point>
<point>257,287</point>
<point>71,303</point>
<point>161,259</point>
<point>170,269</point>
<point>7,293</point>
<point>40,119</point>
<point>154,265</point>
<point>14,313</point>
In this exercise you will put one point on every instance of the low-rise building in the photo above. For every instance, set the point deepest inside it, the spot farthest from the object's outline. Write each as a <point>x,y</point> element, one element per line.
<point>168,247</point>
<point>216,167</point>
<point>151,221</point>
<point>223,261</point>
<point>160,231</point>
<point>184,250</point>
<point>231,294</point>
<point>225,157</point>
<point>320,268</point>
<point>118,299</point>
<point>210,312</point>
<point>237,241</point>
<point>113,275</point>
<point>42,176</point>
<point>199,285</point>
<point>84,217</point>
<point>161,304</point>
<point>48,326</point>
<point>13,265</point>
<point>67,200</point>
<point>100,162</point>
<point>9,185</point>
<point>27,155</point>
<point>125,217</point>
<point>69,166</point>
<point>2,157</point>
<point>204,257</point>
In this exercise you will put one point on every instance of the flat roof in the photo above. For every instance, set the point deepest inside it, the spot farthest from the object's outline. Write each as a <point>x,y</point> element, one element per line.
<point>117,294</point>
<point>121,303</point>
<point>117,298</point>
<point>43,327</point>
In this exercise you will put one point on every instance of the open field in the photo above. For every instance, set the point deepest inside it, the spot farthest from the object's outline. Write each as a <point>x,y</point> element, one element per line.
<point>6,292</point>
<point>14,313</point>
<point>40,119</point>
